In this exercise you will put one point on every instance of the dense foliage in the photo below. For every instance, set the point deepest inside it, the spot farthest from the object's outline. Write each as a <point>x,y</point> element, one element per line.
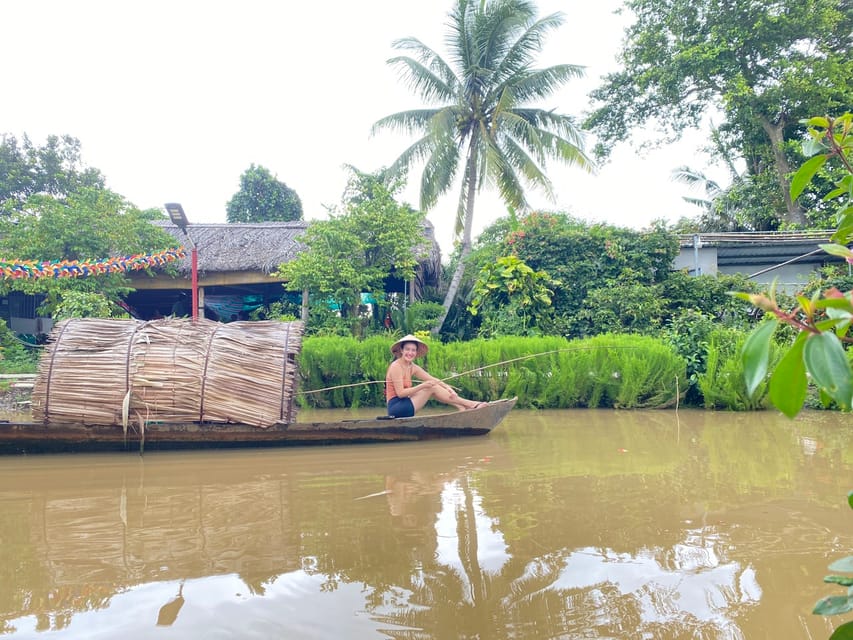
<point>483,128</point>
<point>55,208</point>
<point>598,267</point>
<point>15,355</point>
<point>517,298</point>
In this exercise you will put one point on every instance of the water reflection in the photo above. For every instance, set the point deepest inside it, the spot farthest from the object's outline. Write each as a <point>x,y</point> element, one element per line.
<point>561,524</point>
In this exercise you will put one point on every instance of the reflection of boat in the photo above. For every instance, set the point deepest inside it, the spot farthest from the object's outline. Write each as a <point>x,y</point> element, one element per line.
<point>93,531</point>
<point>18,437</point>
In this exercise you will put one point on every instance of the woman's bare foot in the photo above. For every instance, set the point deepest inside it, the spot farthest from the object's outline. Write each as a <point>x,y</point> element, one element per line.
<point>477,405</point>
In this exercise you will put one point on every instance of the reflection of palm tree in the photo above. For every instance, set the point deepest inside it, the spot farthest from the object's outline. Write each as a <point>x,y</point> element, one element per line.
<point>485,605</point>
<point>466,533</point>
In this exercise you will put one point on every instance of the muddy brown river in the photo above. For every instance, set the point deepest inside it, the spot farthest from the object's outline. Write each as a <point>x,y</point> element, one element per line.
<point>560,524</point>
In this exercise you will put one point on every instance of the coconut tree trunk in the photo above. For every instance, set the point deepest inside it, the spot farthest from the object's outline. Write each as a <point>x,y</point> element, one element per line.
<point>465,249</point>
<point>794,214</point>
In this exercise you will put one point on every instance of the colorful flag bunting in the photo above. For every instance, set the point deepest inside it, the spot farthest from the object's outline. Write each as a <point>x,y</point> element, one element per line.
<point>82,269</point>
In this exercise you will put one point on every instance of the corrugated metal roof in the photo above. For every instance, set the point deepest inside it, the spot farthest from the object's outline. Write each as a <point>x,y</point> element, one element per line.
<point>774,238</point>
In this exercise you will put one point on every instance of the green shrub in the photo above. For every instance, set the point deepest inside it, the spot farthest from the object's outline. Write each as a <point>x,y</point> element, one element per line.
<point>723,384</point>
<point>16,356</point>
<point>688,334</point>
<point>418,316</point>
<point>624,371</point>
<point>620,307</point>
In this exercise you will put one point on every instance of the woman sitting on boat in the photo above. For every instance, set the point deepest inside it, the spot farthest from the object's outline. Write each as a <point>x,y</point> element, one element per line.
<point>402,396</point>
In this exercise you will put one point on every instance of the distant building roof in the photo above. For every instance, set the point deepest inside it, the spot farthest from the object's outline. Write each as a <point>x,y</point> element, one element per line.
<point>756,237</point>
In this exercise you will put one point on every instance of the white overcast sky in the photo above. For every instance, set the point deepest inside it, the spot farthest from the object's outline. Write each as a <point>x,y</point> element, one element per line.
<point>173,99</point>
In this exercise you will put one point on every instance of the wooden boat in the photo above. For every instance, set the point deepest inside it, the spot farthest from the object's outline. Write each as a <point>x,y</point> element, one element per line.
<point>35,437</point>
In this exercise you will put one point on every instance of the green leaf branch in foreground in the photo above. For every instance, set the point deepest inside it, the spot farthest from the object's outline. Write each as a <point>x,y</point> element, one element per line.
<point>835,605</point>
<point>824,319</point>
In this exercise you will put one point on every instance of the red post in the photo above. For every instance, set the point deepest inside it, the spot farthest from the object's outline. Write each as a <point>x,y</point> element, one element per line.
<point>195,282</point>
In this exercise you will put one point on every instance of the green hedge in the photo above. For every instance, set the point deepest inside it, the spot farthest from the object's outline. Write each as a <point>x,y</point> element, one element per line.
<point>622,371</point>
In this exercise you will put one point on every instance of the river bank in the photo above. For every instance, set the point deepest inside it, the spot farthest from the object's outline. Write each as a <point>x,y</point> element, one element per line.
<point>16,392</point>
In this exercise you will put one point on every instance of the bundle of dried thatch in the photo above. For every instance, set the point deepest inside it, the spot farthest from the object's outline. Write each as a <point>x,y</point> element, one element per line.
<point>105,372</point>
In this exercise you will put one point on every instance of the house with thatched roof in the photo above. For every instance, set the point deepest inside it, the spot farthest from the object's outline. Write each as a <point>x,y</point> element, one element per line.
<point>237,265</point>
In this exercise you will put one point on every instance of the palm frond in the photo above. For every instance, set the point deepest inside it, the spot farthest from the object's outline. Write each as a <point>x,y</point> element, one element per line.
<point>686,175</point>
<point>542,83</point>
<point>498,28</point>
<point>442,164</point>
<point>513,127</point>
<point>518,158</point>
<point>520,55</point>
<point>415,153</point>
<point>541,141</point>
<point>423,80</point>
<point>429,58</point>
<point>406,121</point>
<point>697,180</point>
<point>501,171</point>
<point>560,124</point>
<point>458,40</point>
<point>698,202</point>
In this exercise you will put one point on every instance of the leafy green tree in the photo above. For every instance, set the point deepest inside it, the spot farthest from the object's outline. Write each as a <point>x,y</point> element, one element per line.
<point>354,252</point>
<point>263,198</point>
<point>54,169</point>
<point>482,127</point>
<point>685,58</point>
<point>88,224</point>
<point>519,298</point>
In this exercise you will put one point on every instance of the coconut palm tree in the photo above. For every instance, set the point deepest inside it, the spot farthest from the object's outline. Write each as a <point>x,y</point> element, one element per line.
<point>478,122</point>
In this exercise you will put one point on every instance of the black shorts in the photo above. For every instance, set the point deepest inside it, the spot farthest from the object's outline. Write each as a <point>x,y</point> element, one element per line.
<point>401,407</point>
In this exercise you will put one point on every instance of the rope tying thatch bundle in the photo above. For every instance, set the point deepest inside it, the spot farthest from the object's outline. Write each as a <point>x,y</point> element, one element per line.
<point>101,372</point>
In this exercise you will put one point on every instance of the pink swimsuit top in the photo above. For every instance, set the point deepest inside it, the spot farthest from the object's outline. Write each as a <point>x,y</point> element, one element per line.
<point>389,386</point>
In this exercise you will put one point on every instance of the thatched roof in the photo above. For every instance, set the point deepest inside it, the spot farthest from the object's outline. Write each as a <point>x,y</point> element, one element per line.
<point>239,247</point>
<point>265,245</point>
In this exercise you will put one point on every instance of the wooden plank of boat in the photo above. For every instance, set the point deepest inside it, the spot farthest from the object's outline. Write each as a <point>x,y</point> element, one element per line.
<point>32,437</point>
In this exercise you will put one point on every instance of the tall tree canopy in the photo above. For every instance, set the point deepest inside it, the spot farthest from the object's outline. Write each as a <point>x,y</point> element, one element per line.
<point>763,64</point>
<point>482,126</point>
<point>355,251</point>
<point>54,169</point>
<point>263,198</point>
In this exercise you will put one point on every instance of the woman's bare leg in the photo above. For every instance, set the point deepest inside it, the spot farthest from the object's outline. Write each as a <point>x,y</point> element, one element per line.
<point>442,394</point>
